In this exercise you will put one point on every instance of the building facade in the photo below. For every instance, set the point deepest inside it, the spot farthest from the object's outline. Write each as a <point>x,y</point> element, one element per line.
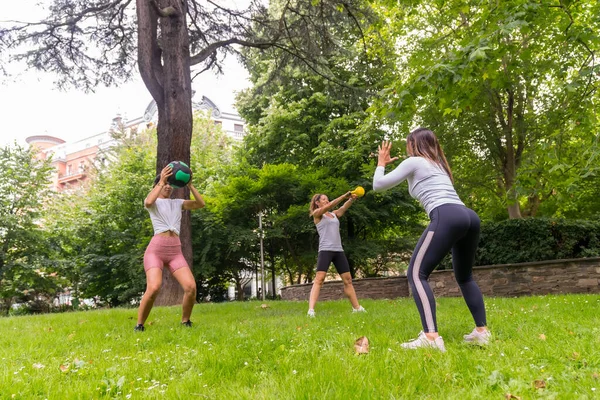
<point>71,160</point>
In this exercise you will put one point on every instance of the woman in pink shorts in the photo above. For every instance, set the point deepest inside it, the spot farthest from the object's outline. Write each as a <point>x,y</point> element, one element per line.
<point>165,247</point>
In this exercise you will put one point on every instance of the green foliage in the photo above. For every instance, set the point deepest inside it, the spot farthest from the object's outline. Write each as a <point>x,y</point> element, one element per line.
<point>315,130</point>
<point>510,89</point>
<point>99,234</point>
<point>113,224</point>
<point>25,274</point>
<point>537,239</point>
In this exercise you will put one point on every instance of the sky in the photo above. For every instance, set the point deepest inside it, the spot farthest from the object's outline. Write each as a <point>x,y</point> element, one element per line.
<point>30,104</point>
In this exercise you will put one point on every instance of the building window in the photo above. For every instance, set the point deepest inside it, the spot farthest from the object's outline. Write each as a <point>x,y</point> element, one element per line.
<point>239,128</point>
<point>218,122</point>
<point>81,167</point>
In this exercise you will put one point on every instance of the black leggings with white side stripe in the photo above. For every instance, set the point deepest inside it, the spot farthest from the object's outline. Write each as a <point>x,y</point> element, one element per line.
<point>453,227</point>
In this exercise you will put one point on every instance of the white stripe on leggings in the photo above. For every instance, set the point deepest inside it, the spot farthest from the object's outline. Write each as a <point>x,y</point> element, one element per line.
<point>419,286</point>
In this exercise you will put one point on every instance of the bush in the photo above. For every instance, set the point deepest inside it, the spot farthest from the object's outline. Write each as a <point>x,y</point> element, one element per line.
<point>534,239</point>
<point>537,239</point>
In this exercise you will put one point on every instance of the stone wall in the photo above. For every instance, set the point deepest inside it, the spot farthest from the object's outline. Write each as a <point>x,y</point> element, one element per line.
<point>368,288</point>
<point>542,277</point>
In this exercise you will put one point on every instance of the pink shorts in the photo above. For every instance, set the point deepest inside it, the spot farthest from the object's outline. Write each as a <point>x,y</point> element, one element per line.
<point>164,250</point>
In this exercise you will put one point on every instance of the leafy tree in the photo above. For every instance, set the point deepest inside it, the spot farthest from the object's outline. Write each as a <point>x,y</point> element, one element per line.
<point>100,234</point>
<point>282,192</point>
<point>88,43</point>
<point>25,274</point>
<point>300,117</point>
<point>510,87</point>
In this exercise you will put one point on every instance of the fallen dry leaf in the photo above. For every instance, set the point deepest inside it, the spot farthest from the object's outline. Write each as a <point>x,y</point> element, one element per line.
<point>64,368</point>
<point>595,375</point>
<point>264,306</point>
<point>539,383</point>
<point>509,396</point>
<point>575,355</point>
<point>361,346</point>
<point>542,336</point>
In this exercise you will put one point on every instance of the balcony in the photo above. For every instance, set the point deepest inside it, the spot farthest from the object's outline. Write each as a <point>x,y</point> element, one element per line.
<point>70,177</point>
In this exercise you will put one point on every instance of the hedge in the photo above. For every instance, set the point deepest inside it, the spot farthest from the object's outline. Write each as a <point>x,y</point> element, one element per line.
<point>535,239</point>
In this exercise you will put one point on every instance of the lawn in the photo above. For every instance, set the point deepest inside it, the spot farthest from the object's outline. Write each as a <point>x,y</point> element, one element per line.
<point>543,347</point>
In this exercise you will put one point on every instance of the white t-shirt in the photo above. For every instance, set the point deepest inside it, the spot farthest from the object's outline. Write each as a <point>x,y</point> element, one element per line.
<point>166,215</point>
<point>427,182</point>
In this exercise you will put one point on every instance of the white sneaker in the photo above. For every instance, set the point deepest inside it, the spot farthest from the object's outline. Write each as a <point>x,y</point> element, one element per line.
<point>476,337</point>
<point>311,313</point>
<point>359,309</point>
<point>422,341</point>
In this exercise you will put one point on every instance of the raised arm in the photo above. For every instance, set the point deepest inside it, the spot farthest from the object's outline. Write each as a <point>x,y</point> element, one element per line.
<point>318,213</point>
<point>155,192</point>
<point>340,211</point>
<point>381,181</point>
<point>198,201</point>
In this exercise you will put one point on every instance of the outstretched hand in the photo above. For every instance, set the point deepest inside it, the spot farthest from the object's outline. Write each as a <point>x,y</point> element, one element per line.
<point>384,157</point>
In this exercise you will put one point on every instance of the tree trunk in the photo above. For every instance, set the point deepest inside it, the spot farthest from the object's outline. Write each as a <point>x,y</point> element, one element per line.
<point>272,258</point>
<point>510,166</point>
<point>240,291</point>
<point>165,70</point>
<point>351,236</point>
<point>533,205</point>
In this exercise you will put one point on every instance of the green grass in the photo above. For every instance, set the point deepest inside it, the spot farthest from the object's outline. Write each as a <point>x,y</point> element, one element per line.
<point>241,351</point>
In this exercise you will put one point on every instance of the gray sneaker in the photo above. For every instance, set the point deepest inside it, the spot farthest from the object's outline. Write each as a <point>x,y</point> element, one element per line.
<point>359,309</point>
<point>480,338</point>
<point>422,341</point>
<point>311,313</point>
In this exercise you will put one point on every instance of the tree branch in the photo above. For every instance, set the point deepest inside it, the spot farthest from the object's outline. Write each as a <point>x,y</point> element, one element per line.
<point>166,12</point>
<point>213,47</point>
<point>149,53</point>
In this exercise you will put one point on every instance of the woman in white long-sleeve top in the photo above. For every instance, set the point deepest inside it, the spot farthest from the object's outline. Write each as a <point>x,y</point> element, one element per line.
<point>453,227</point>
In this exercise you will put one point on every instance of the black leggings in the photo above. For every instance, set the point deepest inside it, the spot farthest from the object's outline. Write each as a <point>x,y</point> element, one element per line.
<point>339,261</point>
<point>452,227</point>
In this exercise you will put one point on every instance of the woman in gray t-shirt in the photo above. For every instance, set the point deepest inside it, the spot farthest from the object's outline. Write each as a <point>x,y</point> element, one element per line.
<point>330,247</point>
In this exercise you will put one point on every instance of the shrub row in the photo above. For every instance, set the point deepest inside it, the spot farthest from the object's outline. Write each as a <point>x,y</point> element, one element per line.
<point>537,239</point>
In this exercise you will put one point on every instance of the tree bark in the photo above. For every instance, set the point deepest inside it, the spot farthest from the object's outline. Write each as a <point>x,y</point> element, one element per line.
<point>510,167</point>
<point>273,280</point>
<point>165,70</point>
<point>240,291</point>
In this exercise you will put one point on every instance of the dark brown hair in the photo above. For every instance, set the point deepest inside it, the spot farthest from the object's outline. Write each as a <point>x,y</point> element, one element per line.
<point>422,142</point>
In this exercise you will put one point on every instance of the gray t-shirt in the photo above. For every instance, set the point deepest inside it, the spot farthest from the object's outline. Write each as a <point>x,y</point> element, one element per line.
<point>427,182</point>
<point>329,233</point>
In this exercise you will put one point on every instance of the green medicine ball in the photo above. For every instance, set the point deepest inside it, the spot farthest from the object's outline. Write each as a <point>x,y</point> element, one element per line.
<point>182,174</point>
